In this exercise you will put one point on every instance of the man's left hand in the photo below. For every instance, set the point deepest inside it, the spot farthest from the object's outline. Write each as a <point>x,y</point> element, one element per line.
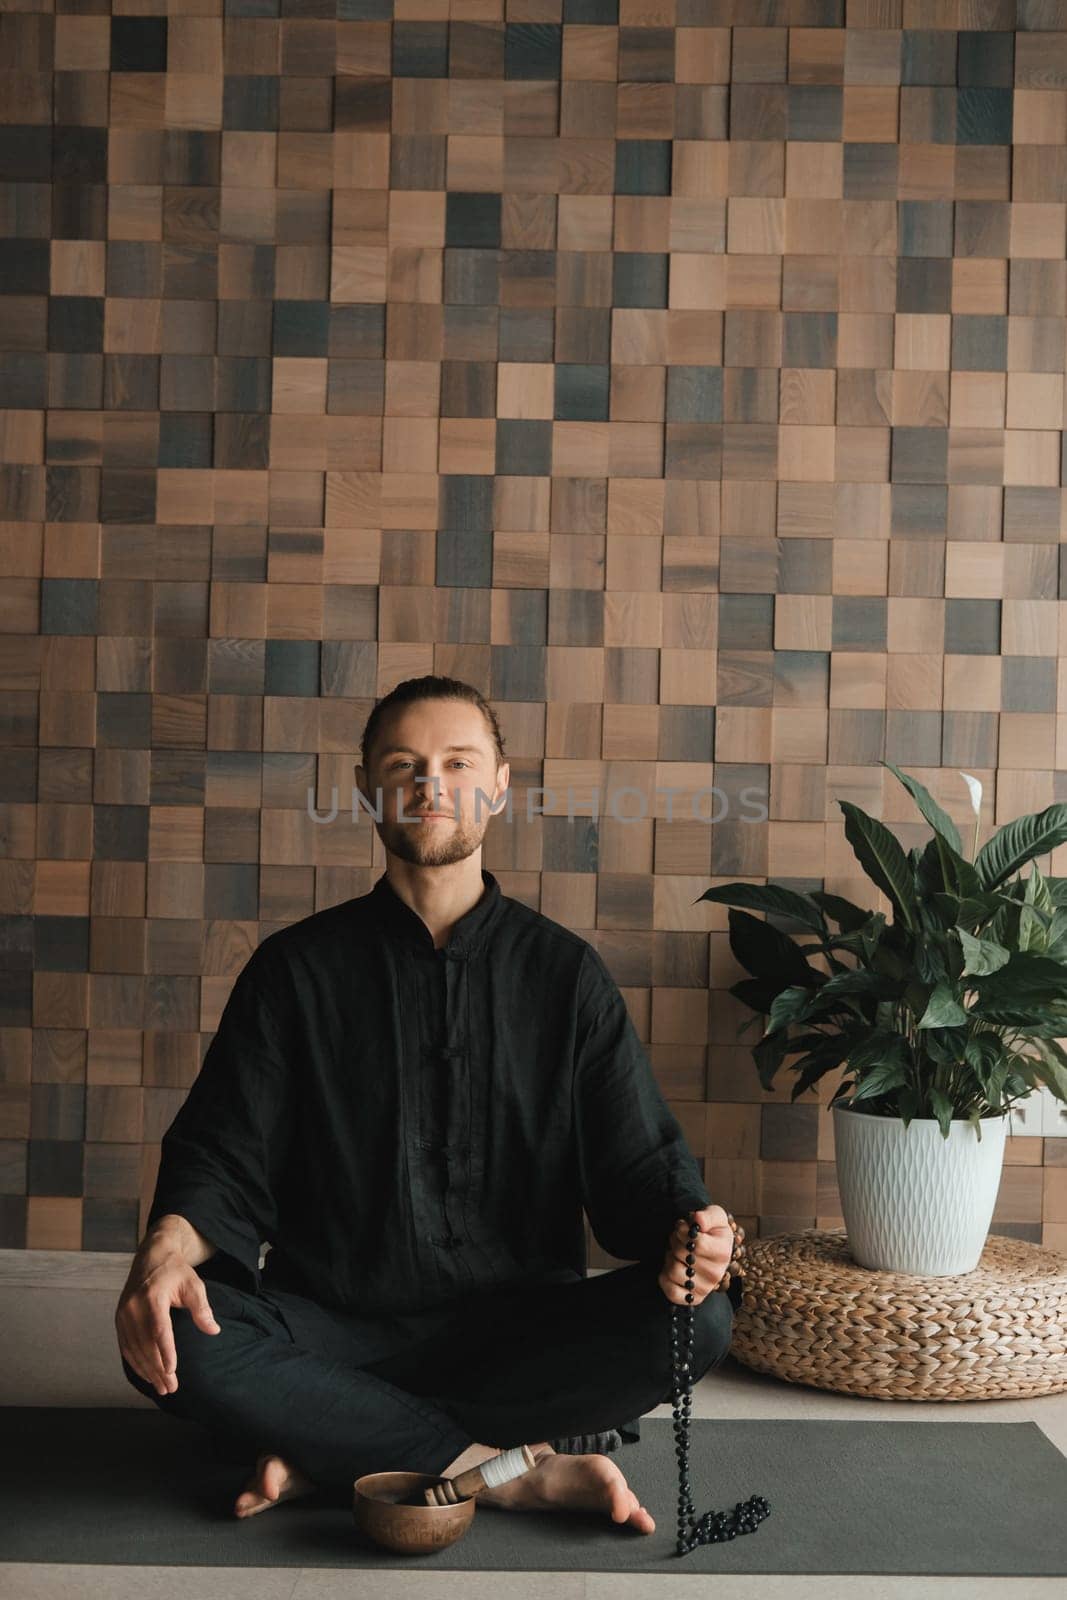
<point>712,1249</point>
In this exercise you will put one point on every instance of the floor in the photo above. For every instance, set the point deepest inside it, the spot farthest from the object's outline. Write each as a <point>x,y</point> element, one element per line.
<point>62,1303</point>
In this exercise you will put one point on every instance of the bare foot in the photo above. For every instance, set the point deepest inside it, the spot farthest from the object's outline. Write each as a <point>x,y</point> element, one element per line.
<point>273,1481</point>
<point>574,1483</point>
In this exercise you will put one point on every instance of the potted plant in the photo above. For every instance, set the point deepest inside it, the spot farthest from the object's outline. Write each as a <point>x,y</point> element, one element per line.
<point>942,1016</point>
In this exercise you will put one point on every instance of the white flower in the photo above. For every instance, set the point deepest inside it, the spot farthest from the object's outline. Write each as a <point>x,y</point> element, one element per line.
<point>976,792</point>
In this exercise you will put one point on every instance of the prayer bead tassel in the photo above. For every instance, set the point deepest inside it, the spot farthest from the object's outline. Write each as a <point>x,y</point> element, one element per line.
<point>714,1526</point>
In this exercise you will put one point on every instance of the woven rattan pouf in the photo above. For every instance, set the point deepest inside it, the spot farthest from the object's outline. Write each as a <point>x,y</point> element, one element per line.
<point>810,1314</point>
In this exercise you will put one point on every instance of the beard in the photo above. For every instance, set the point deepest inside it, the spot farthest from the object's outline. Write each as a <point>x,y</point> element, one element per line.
<point>431,844</point>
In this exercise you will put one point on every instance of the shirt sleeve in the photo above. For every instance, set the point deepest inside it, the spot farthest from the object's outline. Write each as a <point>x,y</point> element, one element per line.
<point>221,1157</point>
<point>638,1175</point>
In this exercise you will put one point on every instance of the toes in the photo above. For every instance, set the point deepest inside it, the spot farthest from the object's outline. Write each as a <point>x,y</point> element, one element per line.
<point>623,1506</point>
<point>637,1514</point>
<point>257,1496</point>
<point>249,1505</point>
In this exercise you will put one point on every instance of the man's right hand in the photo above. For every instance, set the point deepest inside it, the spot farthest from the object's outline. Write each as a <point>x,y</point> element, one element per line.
<point>161,1277</point>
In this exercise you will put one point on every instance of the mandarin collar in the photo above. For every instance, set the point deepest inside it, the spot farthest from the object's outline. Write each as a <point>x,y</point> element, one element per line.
<point>467,932</point>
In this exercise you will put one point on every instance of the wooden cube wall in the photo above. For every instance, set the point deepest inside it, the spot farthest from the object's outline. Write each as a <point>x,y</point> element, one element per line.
<point>688,375</point>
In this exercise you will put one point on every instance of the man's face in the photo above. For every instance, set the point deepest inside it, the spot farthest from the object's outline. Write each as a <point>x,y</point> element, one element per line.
<point>444,739</point>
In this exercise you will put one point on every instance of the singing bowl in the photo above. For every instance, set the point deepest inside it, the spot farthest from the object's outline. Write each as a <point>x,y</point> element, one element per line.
<point>410,1530</point>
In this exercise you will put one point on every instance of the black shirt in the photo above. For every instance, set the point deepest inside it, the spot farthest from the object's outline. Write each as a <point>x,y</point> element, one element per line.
<point>407,1126</point>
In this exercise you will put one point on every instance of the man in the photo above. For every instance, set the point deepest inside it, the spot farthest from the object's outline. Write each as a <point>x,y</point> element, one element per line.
<point>412,1095</point>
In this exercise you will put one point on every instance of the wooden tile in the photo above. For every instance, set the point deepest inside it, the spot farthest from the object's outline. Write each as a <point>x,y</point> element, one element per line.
<point>694,385</point>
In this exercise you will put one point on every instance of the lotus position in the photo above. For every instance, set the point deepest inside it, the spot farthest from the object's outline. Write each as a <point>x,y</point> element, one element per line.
<point>409,1098</point>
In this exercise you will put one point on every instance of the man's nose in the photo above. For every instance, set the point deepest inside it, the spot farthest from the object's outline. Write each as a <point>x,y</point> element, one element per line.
<point>432,786</point>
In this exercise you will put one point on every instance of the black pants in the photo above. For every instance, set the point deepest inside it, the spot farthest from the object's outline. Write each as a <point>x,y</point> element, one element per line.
<point>339,1395</point>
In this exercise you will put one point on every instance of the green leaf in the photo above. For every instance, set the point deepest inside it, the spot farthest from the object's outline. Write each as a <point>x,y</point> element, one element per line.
<point>930,874</point>
<point>944,1046</point>
<point>1056,947</point>
<point>826,949</point>
<point>930,962</point>
<point>870,935</point>
<point>959,872</point>
<point>768,953</point>
<point>981,956</point>
<point>943,1009</point>
<point>1052,1067</point>
<point>1026,1074</point>
<point>875,1048</point>
<point>947,906</point>
<point>1004,928</point>
<point>770,898</point>
<point>943,1111</point>
<point>813,1066</point>
<point>1037,890</point>
<point>814,1040</point>
<point>1033,1021</point>
<point>870,985</point>
<point>941,871</point>
<point>1025,978</point>
<point>768,1055</point>
<point>1032,931</point>
<point>1018,842</point>
<point>883,1072</point>
<point>886,1013</point>
<point>773,1049</point>
<point>974,909</point>
<point>755,992</point>
<point>787,1007</point>
<point>908,1103</point>
<point>939,820</point>
<point>880,855</point>
<point>982,1052</point>
<point>880,1079</point>
<point>843,912</point>
<point>995,1086</point>
<point>866,940</point>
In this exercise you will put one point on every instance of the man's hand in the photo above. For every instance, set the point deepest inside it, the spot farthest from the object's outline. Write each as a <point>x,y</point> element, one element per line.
<point>712,1249</point>
<point>161,1277</point>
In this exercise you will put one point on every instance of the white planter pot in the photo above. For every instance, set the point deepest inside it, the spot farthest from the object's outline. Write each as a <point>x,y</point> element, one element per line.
<point>913,1201</point>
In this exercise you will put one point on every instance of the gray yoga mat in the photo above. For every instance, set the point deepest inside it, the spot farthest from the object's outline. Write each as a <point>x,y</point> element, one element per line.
<point>106,1485</point>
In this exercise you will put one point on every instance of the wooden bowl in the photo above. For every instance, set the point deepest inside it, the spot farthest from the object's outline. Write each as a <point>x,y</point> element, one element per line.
<point>410,1530</point>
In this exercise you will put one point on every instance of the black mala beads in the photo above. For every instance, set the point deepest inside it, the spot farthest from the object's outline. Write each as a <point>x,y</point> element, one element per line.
<point>746,1516</point>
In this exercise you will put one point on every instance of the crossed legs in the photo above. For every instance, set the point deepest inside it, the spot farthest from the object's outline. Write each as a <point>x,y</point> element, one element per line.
<point>519,1366</point>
